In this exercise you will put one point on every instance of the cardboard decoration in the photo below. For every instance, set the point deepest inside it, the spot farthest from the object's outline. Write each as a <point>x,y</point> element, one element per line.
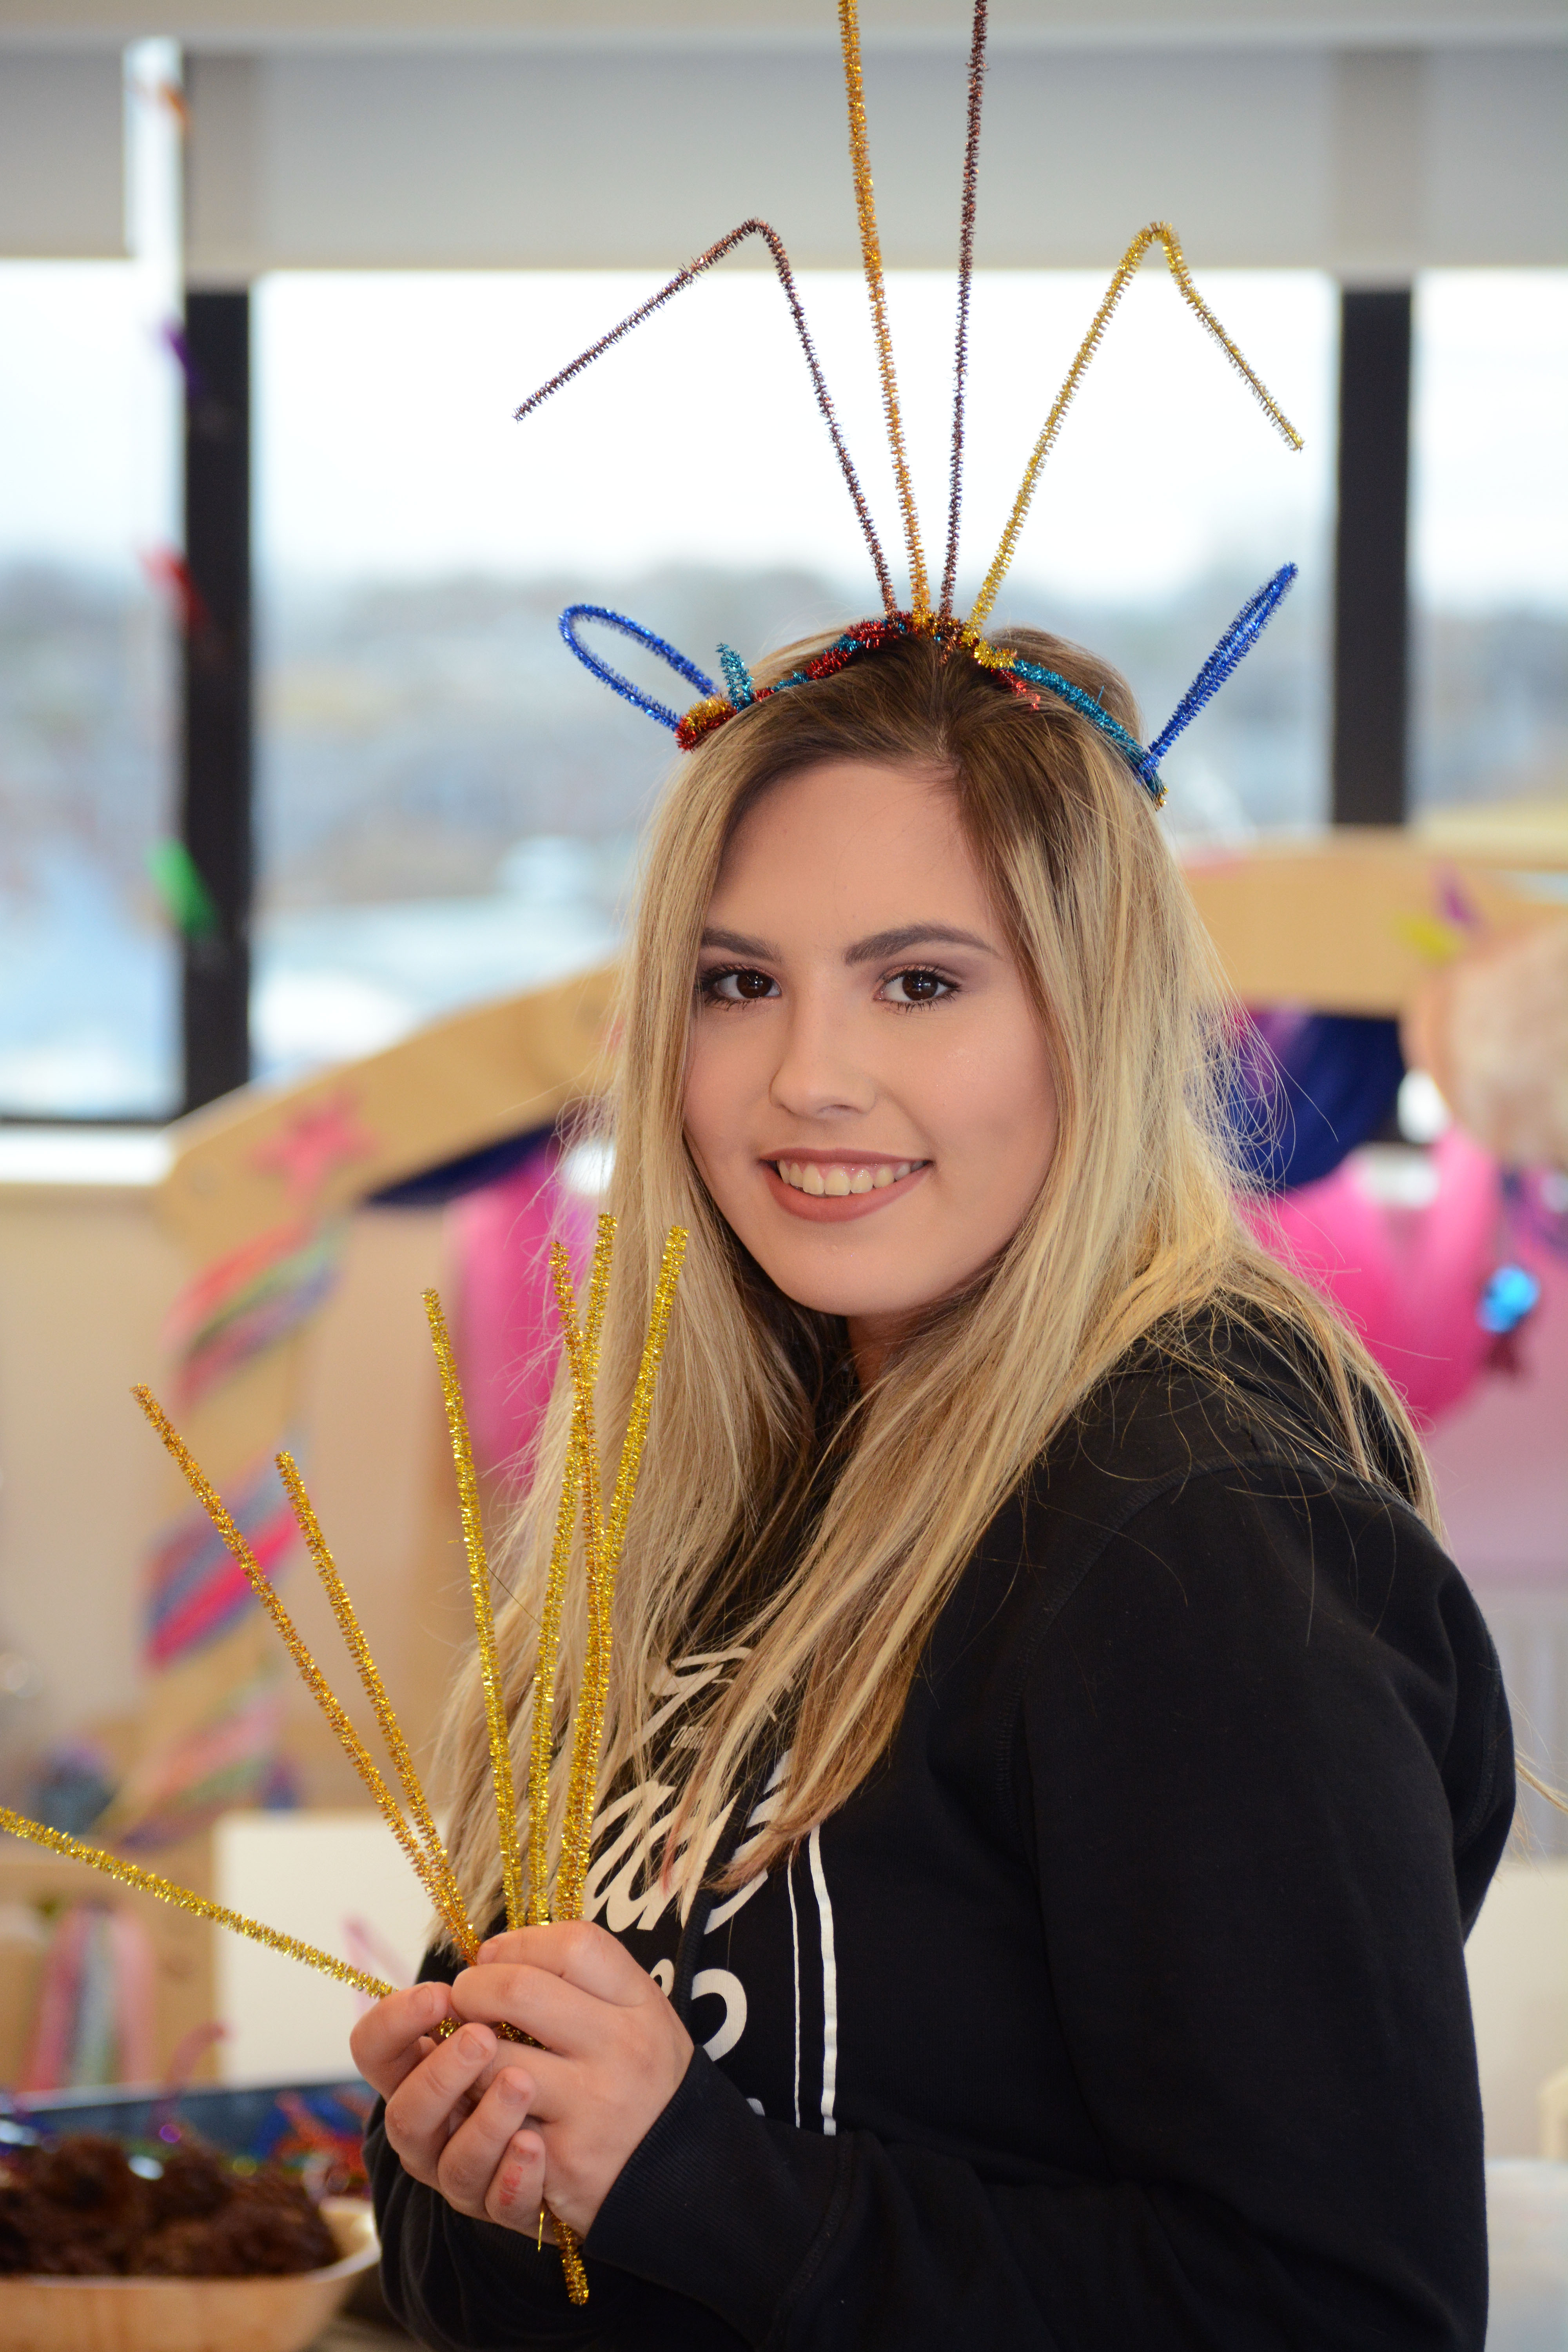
<point>258,1193</point>
<point>264,1155</point>
<point>1356,920</point>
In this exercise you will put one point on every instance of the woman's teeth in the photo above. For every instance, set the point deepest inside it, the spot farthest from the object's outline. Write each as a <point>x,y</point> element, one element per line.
<point>811,1176</point>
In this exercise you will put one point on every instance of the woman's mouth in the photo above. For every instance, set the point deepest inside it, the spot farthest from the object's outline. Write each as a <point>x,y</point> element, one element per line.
<point>829,1191</point>
<point>835,1180</point>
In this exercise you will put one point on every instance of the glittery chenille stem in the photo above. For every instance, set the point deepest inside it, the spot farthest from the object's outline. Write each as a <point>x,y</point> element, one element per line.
<point>583,1775</point>
<point>871,259</point>
<point>677,285</point>
<point>593,1699</point>
<point>547,1663</point>
<point>549,1654</point>
<point>571,2260</point>
<point>310,1674</point>
<point>450,1903</point>
<point>965,281</point>
<point>163,1890</point>
<point>1157,233</point>
<point>484,1618</point>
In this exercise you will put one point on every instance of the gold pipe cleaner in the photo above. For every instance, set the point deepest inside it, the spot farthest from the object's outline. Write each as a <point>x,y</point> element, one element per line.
<point>484,1617</point>
<point>163,1890</point>
<point>549,1654</point>
<point>871,258</point>
<point>1157,233</point>
<point>450,1905</point>
<point>311,1673</point>
<point>604,1545</point>
<point>584,1772</point>
<point>501,1773</point>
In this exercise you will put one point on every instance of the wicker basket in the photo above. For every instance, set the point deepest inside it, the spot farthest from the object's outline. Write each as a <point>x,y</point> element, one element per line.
<point>168,2315</point>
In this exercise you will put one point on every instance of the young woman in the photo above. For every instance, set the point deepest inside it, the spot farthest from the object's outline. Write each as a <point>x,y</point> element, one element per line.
<point>1053,1764</point>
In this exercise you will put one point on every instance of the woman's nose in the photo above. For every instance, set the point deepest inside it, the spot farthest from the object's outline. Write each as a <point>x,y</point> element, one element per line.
<point>820,1070</point>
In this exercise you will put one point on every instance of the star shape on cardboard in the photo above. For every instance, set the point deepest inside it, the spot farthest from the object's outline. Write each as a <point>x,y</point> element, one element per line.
<point>322,1136</point>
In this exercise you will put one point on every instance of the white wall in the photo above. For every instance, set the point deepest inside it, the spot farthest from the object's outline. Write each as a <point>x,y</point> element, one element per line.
<point>62,156</point>
<point>310,1874</point>
<point>1517,1960</point>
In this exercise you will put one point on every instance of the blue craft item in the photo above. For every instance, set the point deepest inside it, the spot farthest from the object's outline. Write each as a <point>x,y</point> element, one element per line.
<point>1232,649</point>
<point>613,677</point>
<point>737,678</point>
<point>1307,1088</point>
<point>1511,1294</point>
<point>1085,704</point>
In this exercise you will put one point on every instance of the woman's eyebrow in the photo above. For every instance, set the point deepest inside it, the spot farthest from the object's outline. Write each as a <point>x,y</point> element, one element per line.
<point>737,943</point>
<point>910,935</point>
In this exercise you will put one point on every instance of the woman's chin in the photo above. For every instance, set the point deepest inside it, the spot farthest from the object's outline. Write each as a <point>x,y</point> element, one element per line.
<point>855,1293</point>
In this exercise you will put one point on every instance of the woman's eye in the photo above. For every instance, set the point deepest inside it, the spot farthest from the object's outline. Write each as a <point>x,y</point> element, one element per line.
<point>739,987</point>
<point>917,988</point>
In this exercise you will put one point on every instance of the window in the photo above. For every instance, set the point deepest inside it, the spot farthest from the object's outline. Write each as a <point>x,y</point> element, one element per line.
<point>1490,541</point>
<point>89,390</point>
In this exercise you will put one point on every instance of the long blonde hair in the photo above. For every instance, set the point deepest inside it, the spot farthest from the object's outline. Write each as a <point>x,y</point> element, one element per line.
<point>828,1580</point>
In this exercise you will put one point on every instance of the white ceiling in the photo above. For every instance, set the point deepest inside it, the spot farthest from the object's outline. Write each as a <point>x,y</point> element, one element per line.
<point>1371,137</point>
<point>735,23</point>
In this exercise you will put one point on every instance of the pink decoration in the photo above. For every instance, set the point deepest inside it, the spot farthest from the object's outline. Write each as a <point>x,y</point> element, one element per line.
<point>1407,1278</point>
<point>136,1997</point>
<point>46,2066</point>
<point>321,1137</point>
<point>1499,1459</point>
<point>508,1339</point>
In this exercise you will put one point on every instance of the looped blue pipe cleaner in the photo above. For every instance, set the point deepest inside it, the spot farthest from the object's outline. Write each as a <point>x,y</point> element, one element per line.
<point>613,677</point>
<point>1232,649</point>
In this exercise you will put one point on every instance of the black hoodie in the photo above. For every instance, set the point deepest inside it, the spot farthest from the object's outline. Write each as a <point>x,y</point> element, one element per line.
<point>1123,2008</point>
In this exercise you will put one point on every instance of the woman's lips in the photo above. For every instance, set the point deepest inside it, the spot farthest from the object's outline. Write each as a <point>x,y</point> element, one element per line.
<point>848,1188</point>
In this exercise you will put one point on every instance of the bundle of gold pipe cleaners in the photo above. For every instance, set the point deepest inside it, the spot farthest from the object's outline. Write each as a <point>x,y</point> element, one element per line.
<point>413,1824</point>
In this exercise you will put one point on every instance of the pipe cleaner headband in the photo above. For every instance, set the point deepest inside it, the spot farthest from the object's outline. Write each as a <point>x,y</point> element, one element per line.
<point>1011,669</point>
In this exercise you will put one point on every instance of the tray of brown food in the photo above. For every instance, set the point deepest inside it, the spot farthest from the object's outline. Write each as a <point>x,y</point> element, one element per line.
<point>102,2250</point>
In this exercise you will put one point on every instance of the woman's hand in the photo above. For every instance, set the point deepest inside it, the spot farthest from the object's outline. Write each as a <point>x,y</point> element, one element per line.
<point>453,2107</point>
<point>612,2056</point>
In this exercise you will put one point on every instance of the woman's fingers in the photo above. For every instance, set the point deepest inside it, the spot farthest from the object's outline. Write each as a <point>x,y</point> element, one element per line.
<point>516,2195</point>
<point>547,2010</point>
<point>578,1953</point>
<point>465,2169</point>
<point>420,2113</point>
<point>386,2042</point>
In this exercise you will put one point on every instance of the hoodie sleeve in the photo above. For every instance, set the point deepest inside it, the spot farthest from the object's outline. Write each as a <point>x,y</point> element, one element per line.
<point>1242,1758</point>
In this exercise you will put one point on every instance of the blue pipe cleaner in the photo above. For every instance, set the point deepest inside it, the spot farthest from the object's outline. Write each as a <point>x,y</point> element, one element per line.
<point>1511,1294</point>
<point>1141,761</point>
<point>1233,648</point>
<point>613,678</point>
<point>737,678</point>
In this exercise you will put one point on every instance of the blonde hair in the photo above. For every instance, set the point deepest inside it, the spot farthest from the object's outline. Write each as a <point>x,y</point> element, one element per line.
<point>815,1532</point>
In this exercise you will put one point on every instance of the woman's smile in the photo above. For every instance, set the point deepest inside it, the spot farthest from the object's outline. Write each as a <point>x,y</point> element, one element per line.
<point>829,1190</point>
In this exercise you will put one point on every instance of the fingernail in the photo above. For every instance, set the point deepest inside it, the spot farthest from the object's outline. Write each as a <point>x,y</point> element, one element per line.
<point>475,2043</point>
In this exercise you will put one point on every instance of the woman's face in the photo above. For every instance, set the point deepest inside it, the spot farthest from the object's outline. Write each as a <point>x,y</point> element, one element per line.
<point>867,1093</point>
